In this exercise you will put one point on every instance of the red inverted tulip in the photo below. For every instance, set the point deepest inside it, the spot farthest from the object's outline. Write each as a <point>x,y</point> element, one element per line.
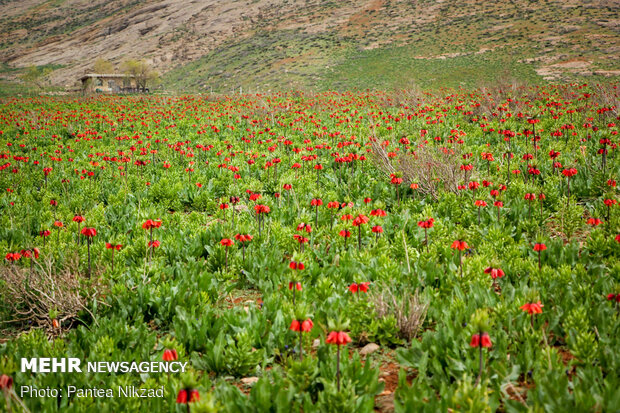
<point>495,272</point>
<point>480,340</point>
<point>170,355</point>
<point>6,382</point>
<point>459,245</point>
<point>188,396</point>
<point>296,265</point>
<point>339,338</point>
<point>151,224</point>
<point>227,242</point>
<point>89,232</point>
<point>532,308</point>
<point>540,247</point>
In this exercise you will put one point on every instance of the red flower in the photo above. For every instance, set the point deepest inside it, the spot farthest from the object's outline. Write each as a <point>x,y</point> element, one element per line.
<point>305,326</point>
<point>304,227</point>
<point>480,340</point>
<point>569,172</point>
<point>262,209</point>
<point>292,285</point>
<point>243,238</point>
<point>367,200</point>
<point>539,247</point>
<point>6,382</point>
<point>53,202</point>
<point>45,233</point>
<point>594,222</point>
<point>300,239</point>
<point>480,203</point>
<point>333,204</point>
<point>377,213</point>
<point>363,287</point>
<point>495,272</point>
<point>170,355</point>
<point>13,256</point>
<point>154,244</point>
<point>89,232</point>
<point>188,396</point>
<point>378,229</point>
<point>151,224</point>
<point>58,224</point>
<point>338,337</point>
<point>316,202</point>
<point>227,242</point>
<point>78,219</point>
<point>345,233</point>
<point>223,206</point>
<point>360,220</point>
<point>426,224</point>
<point>532,308</point>
<point>296,265</point>
<point>459,245</point>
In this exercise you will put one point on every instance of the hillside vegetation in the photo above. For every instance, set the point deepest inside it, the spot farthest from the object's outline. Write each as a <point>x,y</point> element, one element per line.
<point>267,44</point>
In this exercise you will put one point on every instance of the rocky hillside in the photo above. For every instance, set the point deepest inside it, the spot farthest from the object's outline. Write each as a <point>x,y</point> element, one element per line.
<point>271,44</point>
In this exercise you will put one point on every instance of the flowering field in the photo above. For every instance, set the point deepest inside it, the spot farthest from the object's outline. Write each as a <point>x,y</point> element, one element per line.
<point>343,252</point>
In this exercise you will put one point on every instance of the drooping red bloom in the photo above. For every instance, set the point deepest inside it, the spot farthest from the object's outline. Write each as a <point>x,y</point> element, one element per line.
<point>78,219</point>
<point>154,244</point>
<point>58,224</point>
<point>532,308</point>
<point>316,202</point>
<point>540,247</point>
<point>459,245</point>
<point>377,213</point>
<point>170,355</point>
<point>304,227</point>
<point>339,338</point>
<point>345,233</point>
<point>45,233</point>
<point>223,205</point>
<point>295,285</point>
<point>89,232</point>
<point>262,209</point>
<point>377,229</point>
<point>367,200</point>
<point>594,222</point>
<point>13,256</point>
<point>243,238</point>
<point>495,272</point>
<point>53,202</point>
<point>303,326</point>
<point>427,223</point>
<point>113,247</point>
<point>480,203</point>
<point>569,172</point>
<point>612,296</point>
<point>151,224</point>
<point>6,382</point>
<point>361,287</point>
<point>296,265</point>
<point>188,396</point>
<point>227,242</point>
<point>300,239</point>
<point>360,220</point>
<point>480,340</point>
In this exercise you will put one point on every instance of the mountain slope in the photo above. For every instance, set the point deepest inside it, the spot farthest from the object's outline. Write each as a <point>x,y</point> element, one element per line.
<point>274,44</point>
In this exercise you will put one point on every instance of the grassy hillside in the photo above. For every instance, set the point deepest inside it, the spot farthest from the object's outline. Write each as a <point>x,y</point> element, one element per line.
<point>276,44</point>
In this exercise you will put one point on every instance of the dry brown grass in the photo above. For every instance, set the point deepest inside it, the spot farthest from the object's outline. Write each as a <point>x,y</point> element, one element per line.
<point>31,295</point>
<point>430,167</point>
<point>408,309</point>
